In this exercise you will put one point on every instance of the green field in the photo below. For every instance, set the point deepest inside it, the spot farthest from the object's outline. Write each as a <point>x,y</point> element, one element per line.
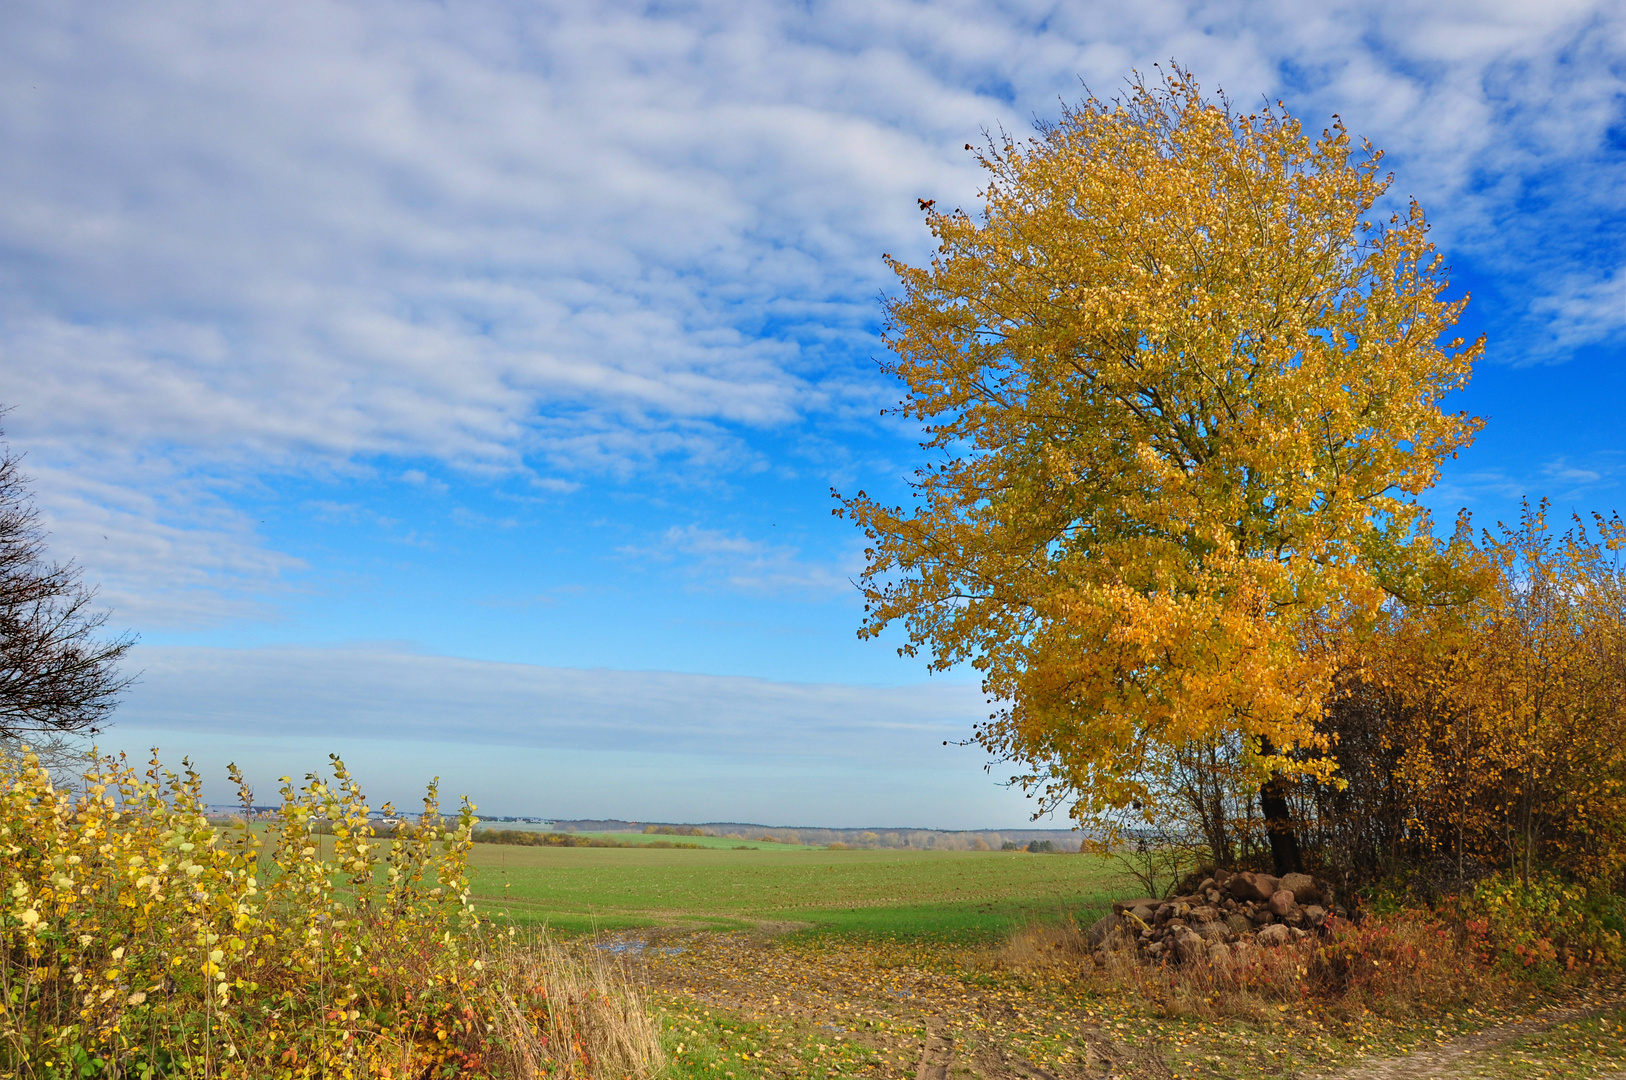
<point>895,893</point>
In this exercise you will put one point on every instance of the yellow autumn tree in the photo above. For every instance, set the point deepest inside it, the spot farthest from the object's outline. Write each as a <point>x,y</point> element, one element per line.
<point>1180,386</point>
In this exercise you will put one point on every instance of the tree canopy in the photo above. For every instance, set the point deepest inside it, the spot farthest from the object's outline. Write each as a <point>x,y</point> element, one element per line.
<point>1180,386</point>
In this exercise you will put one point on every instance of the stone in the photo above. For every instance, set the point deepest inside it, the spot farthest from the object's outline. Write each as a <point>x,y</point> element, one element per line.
<point>1282,903</point>
<point>1121,906</point>
<point>1100,930</point>
<point>1219,954</point>
<point>1316,914</point>
<point>1204,914</point>
<point>1261,916</point>
<point>1237,924</point>
<point>1303,888</point>
<point>1214,931</point>
<point>1274,935</point>
<point>1190,947</point>
<point>1208,883</point>
<point>1144,913</point>
<point>1295,918</point>
<point>1241,886</point>
<point>1250,886</point>
<point>1212,895</point>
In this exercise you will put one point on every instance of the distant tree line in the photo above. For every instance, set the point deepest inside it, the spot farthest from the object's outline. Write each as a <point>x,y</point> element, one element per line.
<point>521,838</point>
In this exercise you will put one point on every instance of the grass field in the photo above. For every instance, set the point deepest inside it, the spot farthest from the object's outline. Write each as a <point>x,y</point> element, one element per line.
<point>895,893</point>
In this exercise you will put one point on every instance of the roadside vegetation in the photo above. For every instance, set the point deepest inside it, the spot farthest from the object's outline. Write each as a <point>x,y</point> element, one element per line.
<point>139,940</point>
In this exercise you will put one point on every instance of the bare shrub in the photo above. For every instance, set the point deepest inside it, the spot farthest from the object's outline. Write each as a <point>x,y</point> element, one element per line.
<point>1158,862</point>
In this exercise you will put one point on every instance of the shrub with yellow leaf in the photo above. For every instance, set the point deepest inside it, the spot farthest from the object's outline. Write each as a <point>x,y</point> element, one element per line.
<point>138,939</point>
<point>1505,716</point>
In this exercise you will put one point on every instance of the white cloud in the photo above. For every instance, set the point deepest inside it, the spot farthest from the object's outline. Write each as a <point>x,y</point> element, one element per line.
<point>571,742</point>
<point>1566,483</point>
<point>715,557</point>
<point>1584,308</point>
<point>595,238</point>
<point>164,550</point>
<point>378,692</point>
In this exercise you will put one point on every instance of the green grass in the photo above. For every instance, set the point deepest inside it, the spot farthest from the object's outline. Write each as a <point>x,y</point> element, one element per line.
<point>703,1046</point>
<point>875,893</point>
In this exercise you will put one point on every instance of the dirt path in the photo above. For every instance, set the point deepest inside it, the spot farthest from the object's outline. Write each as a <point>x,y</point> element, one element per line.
<point>938,1057</point>
<point>1450,1058</point>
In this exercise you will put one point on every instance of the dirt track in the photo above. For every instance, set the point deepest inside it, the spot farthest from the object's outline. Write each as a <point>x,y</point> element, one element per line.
<point>1459,1057</point>
<point>942,1022</point>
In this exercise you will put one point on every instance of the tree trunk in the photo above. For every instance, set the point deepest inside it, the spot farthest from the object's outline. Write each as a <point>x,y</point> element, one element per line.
<point>1284,842</point>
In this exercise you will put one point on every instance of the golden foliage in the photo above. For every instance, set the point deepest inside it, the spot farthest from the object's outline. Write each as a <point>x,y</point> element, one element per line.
<point>1513,749</point>
<point>1182,391</point>
<point>139,939</point>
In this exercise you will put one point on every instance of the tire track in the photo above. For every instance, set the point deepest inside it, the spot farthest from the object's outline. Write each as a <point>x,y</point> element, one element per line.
<point>1449,1058</point>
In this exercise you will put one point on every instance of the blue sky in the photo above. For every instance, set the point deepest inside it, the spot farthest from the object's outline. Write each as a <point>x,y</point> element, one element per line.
<point>460,385</point>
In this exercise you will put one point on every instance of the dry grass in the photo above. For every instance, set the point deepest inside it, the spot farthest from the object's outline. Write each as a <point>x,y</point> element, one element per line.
<point>1395,967</point>
<point>595,1021</point>
<point>1045,946</point>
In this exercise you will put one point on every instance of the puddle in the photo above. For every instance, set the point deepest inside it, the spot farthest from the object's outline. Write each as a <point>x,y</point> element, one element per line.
<point>638,948</point>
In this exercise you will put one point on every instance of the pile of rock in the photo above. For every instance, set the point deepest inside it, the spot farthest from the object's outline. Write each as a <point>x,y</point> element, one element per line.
<point>1227,913</point>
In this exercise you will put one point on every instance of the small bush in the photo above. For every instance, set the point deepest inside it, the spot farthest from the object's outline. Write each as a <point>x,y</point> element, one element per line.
<point>1542,930</point>
<point>1398,965</point>
<point>139,940</point>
